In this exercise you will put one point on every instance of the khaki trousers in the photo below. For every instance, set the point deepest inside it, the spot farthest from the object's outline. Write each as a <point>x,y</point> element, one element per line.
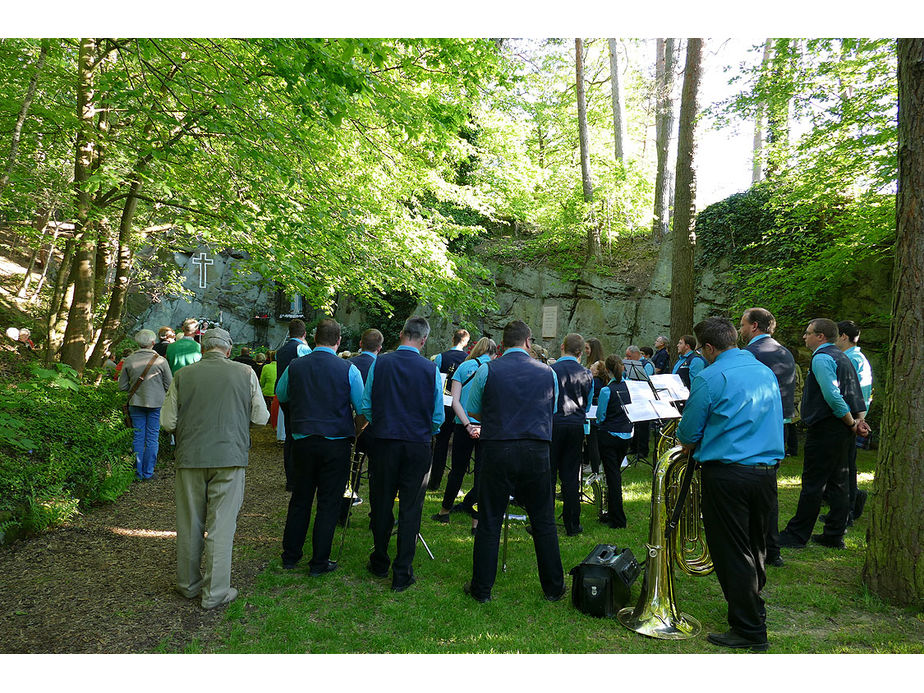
<point>207,503</point>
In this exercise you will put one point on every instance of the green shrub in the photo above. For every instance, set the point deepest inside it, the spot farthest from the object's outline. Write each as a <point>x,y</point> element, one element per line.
<point>63,447</point>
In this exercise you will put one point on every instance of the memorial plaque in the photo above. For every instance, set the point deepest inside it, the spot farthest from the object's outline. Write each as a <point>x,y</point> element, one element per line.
<point>549,322</point>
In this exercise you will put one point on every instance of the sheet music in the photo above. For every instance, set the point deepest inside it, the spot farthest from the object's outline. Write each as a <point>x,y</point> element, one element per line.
<point>648,410</point>
<point>592,414</point>
<point>639,390</point>
<point>671,386</point>
<point>447,400</point>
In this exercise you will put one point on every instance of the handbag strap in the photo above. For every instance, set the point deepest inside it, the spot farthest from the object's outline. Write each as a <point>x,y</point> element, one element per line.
<point>134,389</point>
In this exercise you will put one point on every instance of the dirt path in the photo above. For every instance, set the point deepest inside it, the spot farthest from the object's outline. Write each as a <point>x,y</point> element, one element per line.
<point>105,584</point>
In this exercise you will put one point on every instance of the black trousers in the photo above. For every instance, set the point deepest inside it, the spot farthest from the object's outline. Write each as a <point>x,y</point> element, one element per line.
<point>612,452</point>
<point>827,445</point>
<point>640,437</point>
<point>565,463</point>
<point>791,435</point>
<point>592,449</point>
<point>462,447</point>
<point>441,449</point>
<point>736,503</point>
<point>399,469</point>
<point>287,447</point>
<point>318,466</point>
<point>517,468</point>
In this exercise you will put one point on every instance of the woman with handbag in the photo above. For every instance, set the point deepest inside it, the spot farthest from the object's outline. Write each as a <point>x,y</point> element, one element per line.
<point>146,377</point>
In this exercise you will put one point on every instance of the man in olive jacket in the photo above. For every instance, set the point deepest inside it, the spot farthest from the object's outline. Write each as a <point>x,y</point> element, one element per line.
<point>210,405</point>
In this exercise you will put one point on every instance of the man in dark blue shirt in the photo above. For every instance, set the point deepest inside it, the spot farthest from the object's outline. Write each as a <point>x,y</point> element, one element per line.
<point>731,425</point>
<point>514,397</point>
<point>403,403</point>
<point>322,391</point>
<point>833,411</point>
<point>756,327</point>
<point>661,358</point>
<point>296,345</point>
<point>575,393</point>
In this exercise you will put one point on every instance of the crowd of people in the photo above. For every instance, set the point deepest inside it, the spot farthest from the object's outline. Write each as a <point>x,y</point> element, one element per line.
<point>520,420</point>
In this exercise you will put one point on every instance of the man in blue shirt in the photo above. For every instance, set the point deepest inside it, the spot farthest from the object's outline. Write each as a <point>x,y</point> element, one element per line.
<point>833,411</point>
<point>848,341</point>
<point>575,393</point>
<point>661,359</point>
<point>689,363</point>
<point>322,390</point>
<point>732,425</point>
<point>403,403</point>
<point>514,397</point>
<point>296,345</point>
<point>756,327</point>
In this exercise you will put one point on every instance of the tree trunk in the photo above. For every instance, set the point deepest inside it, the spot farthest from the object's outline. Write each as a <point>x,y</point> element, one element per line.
<point>58,295</point>
<point>684,237</point>
<point>79,318</point>
<point>39,223</point>
<point>757,169</point>
<point>664,125</point>
<point>21,117</point>
<point>48,261</point>
<point>895,558</point>
<point>619,116</point>
<point>782,67</point>
<point>593,233</point>
<point>120,284</point>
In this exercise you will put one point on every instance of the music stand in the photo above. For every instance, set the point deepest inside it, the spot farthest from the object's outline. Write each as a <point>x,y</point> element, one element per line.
<point>635,370</point>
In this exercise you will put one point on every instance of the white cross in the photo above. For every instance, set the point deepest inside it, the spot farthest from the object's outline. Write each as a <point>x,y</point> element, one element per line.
<point>203,261</point>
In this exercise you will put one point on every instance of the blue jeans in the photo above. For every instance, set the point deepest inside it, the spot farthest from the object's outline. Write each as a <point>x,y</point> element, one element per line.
<point>146,421</point>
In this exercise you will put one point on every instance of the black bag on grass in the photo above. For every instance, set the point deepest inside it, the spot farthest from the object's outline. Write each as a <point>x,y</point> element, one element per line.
<point>602,582</point>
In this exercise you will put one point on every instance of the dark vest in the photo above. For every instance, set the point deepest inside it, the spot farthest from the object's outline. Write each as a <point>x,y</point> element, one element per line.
<point>814,407</point>
<point>286,353</point>
<point>319,396</point>
<point>518,399</point>
<point>449,361</point>
<point>363,362</point>
<point>684,370</point>
<point>575,388</point>
<point>402,397</point>
<point>616,420</point>
<point>598,387</point>
<point>777,358</point>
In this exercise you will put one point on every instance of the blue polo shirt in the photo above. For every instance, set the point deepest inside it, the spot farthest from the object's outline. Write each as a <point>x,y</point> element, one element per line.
<point>864,372</point>
<point>697,363</point>
<point>734,413</point>
<point>355,381</point>
<point>466,369</point>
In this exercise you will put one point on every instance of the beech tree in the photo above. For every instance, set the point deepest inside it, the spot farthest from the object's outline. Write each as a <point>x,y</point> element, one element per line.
<point>665,58</point>
<point>593,231</point>
<point>619,117</point>
<point>683,234</point>
<point>894,565</point>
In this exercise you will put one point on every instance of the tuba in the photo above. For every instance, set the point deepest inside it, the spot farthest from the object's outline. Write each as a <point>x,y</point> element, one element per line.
<point>656,614</point>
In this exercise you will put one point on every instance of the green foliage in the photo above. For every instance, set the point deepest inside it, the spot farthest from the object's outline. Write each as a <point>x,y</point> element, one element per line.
<point>797,262</point>
<point>63,446</point>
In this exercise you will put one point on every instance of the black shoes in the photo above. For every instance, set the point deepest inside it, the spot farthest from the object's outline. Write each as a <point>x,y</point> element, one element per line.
<point>824,518</point>
<point>467,588</point>
<point>444,519</point>
<point>377,573</point>
<point>328,567</point>
<point>557,597</point>
<point>859,503</point>
<point>788,541</point>
<point>731,639</point>
<point>289,566</point>
<point>574,532</point>
<point>830,542</point>
<point>401,588</point>
<point>776,562</point>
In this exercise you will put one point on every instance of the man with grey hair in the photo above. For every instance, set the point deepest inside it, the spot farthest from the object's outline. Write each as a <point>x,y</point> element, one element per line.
<point>210,406</point>
<point>661,359</point>
<point>146,376</point>
<point>403,403</point>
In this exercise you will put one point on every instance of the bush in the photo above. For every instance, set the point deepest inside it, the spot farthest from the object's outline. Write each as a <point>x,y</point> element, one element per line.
<point>63,447</point>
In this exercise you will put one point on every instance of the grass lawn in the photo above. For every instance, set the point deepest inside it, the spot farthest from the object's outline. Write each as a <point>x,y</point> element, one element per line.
<point>815,604</point>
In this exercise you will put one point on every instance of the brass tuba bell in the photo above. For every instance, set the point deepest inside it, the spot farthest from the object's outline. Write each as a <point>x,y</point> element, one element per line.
<point>656,614</point>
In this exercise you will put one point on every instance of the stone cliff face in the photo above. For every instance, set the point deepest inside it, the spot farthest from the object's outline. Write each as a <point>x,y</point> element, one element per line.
<point>616,313</point>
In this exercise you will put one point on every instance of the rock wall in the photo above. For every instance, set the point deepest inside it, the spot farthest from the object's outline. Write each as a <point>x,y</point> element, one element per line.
<point>616,313</point>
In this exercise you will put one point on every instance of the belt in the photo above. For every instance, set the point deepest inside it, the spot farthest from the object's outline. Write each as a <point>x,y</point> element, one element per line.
<point>762,466</point>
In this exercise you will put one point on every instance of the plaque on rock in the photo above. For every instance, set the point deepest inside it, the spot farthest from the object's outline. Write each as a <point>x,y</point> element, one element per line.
<point>549,322</point>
